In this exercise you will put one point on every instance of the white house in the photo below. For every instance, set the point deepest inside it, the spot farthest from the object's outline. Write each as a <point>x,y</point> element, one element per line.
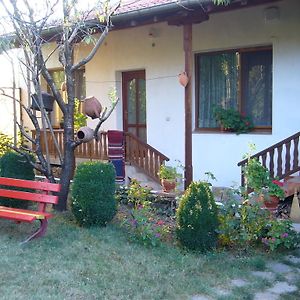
<point>245,55</point>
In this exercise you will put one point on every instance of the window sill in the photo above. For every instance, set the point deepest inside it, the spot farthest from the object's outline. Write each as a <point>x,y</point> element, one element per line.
<point>258,131</point>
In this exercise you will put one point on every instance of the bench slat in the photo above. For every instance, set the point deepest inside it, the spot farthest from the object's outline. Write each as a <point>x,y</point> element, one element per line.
<point>36,185</point>
<point>22,215</point>
<point>29,196</point>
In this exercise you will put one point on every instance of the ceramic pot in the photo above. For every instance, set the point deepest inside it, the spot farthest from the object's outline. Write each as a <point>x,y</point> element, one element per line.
<point>47,99</point>
<point>85,134</point>
<point>168,185</point>
<point>92,107</point>
<point>183,79</point>
<point>271,203</point>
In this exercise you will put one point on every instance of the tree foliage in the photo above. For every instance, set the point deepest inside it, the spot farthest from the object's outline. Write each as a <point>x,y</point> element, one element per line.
<point>60,22</point>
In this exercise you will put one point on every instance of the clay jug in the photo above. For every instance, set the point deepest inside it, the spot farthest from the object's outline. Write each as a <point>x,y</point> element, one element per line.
<point>183,79</point>
<point>85,134</point>
<point>92,107</point>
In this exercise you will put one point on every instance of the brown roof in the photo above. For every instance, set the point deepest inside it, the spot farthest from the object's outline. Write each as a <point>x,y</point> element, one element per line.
<point>134,5</point>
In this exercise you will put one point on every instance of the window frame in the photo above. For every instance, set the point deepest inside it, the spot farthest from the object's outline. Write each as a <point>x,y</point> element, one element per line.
<point>240,103</point>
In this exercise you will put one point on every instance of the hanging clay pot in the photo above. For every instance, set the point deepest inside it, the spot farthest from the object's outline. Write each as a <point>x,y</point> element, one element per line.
<point>183,79</point>
<point>92,107</point>
<point>85,134</point>
<point>47,99</point>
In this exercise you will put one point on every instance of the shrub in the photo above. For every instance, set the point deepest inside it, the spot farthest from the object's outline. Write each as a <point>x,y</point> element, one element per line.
<point>93,194</point>
<point>197,218</point>
<point>14,165</point>
<point>242,225</point>
<point>280,235</point>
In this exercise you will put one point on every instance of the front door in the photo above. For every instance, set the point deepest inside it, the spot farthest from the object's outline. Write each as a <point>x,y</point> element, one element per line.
<point>134,103</point>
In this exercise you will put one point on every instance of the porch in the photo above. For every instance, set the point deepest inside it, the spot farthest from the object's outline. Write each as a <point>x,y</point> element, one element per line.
<point>142,156</point>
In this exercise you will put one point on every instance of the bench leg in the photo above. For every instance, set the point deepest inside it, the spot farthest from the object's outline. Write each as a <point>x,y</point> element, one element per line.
<point>39,232</point>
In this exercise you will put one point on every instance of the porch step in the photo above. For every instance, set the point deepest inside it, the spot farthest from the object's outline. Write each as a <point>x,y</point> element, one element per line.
<point>132,172</point>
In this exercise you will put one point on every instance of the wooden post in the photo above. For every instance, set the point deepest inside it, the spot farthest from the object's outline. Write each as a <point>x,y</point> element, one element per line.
<point>187,46</point>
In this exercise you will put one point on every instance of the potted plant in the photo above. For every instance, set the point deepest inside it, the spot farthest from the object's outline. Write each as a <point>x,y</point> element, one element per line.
<point>275,194</point>
<point>167,175</point>
<point>258,179</point>
<point>231,120</point>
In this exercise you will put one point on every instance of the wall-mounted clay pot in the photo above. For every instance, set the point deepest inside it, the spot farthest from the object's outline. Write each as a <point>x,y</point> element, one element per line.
<point>183,79</point>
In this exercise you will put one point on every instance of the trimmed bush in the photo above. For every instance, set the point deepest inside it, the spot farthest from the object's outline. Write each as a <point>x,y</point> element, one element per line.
<point>14,165</point>
<point>197,218</point>
<point>93,194</point>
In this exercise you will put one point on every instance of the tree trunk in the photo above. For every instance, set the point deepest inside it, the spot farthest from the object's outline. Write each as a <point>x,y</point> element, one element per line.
<point>67,173</point>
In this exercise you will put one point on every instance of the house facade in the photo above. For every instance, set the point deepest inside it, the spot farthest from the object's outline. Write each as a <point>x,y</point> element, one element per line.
<point>244,57</point>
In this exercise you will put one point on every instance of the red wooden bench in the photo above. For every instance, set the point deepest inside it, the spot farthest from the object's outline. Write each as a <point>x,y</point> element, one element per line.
<point>39,193</point>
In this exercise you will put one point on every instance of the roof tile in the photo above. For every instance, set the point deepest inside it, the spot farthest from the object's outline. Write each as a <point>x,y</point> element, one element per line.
<point>134,5</point>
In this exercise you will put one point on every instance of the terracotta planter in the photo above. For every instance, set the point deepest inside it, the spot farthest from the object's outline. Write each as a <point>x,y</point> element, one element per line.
<point>85,134</point>
<point>183,79</point>
<point>92,107</point>
<point>271,203</point>
<point>168,185</point>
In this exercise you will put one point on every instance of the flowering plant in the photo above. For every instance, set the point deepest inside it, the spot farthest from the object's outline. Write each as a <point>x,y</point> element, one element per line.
<point>145,227</point>
<point>280,234</point>
<point>231,120</point>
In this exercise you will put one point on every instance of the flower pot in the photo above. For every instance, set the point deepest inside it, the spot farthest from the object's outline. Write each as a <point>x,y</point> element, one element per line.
<point>92,107</point>
<point>47,99</point>
<point>271,203</point>
<point>168,185</point>
<point>85,134</point>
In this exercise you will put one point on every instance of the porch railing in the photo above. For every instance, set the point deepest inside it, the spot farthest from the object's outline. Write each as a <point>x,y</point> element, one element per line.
<point>143,156</point>
<point>281,159</point>
<point>90,150</point>
<point>137,152</point>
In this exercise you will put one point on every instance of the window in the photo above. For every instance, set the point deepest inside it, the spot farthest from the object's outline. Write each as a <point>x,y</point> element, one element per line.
<point>238,79</point>
<point>80,91</point>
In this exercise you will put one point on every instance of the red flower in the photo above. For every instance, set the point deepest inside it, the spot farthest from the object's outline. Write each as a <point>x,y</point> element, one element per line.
<point>160,222</point>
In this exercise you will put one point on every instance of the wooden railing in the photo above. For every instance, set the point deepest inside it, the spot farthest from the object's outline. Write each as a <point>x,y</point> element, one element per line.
<point>281,159</point>
<point>137,152</point>
<point>90,150</point>
<point>143,156</point>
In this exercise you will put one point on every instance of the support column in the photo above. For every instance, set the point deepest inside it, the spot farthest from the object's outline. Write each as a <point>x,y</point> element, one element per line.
<point>188,57</point>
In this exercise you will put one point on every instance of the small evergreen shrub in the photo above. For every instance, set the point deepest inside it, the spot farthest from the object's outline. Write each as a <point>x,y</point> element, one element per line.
<point>93,194</point>
<point>197,218</point>
<point>14,165</point>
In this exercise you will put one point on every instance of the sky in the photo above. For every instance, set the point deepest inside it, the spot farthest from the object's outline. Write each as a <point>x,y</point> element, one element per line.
<point>40,8</point>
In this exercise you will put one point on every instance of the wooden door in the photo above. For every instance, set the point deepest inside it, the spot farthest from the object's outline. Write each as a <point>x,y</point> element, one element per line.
<point>134,103</point>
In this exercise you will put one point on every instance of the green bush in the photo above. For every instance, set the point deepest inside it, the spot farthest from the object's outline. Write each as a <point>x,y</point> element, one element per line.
<point>242,225</point>
<point>14,165</point>
<point>197,218</point>
<point>93,194</point>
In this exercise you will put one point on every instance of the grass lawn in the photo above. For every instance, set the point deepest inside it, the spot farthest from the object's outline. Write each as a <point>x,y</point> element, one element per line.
<point>100,263</point>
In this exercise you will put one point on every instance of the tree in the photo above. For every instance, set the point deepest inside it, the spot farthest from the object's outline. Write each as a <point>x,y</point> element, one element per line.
<point>61,22</point>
